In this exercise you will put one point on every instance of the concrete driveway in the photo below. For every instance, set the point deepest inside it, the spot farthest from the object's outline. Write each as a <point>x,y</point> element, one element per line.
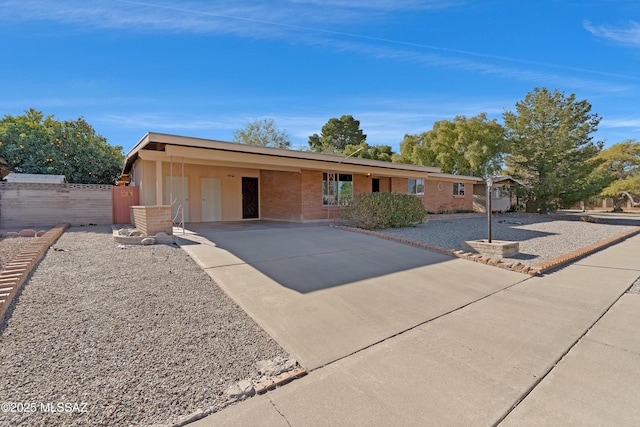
<point>447,342</point>
<point>325,293</point>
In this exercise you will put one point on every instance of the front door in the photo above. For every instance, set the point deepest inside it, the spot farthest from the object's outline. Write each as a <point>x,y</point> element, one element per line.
<point>375,185</point>
<point>211,199</point>
<point>250,198</point>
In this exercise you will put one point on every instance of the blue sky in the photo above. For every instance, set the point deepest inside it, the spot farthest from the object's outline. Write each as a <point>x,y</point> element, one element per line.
<point>205,68</point>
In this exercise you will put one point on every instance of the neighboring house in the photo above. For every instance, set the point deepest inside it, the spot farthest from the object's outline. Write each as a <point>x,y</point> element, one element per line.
<point>211,180</point>
<point>503,198</point>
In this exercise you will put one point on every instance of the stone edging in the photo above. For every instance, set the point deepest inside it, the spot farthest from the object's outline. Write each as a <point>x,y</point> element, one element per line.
<point>534,270</point>
<point>562,260</point>
<point>15,273</point>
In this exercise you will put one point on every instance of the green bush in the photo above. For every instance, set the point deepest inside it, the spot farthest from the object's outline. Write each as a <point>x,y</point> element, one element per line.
<point>374,211</point>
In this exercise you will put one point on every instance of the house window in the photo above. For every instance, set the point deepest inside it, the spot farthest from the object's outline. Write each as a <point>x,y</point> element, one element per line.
<point>416,186</point>
<point>458,188</point>
<point>498,193</point>
<point>337,188</point>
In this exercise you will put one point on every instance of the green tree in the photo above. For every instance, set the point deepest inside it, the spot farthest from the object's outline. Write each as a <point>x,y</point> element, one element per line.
<point>474,146</point>
<point>336,134</point>
<point>620,168</point>
<point>366,151</point>
<point>33,143</point>
<point>552,150</point>
<point>263,133</point>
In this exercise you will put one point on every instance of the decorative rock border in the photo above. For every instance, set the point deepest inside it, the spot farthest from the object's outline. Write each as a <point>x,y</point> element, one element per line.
<point>562,260</point>
<point>534,270</point>
<point>15,273</point>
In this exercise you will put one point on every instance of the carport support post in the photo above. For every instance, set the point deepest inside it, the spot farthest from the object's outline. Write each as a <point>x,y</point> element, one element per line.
<point>489,188</point>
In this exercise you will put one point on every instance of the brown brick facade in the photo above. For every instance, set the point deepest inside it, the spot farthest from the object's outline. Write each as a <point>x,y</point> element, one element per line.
<point>281,195</point>
<point>312,196</point>
<point>152,219</point>
<point>438,197</point>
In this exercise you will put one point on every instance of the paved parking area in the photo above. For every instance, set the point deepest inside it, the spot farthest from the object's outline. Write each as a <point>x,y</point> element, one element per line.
<point>325,293</point>
<point>395,335</point>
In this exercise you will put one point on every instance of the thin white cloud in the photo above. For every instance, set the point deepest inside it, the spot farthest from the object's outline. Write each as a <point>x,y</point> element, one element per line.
<point>382,4</point>
<point>312,22</point>
<point>163,121</point>
<point>628,35</point>
<point>622,122</point>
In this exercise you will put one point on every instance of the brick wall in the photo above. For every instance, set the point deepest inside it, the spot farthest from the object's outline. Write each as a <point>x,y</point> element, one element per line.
<point>438,197</point>
<point>280,195</point>
<point>311,183</point>
<point>399,185</point>
<point>31,205</point>
<point>361,184</point>
<point>152,219</point>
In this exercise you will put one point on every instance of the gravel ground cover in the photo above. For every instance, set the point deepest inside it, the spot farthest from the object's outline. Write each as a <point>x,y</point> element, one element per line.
<point>11,246</point>
<point>540,238</point>
<point>134,336</point>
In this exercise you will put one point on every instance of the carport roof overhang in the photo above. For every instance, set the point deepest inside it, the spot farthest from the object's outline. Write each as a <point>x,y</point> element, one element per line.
<point>164,147</point>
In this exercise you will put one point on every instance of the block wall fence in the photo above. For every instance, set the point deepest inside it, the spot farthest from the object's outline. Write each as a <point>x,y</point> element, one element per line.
<point>31,205</point>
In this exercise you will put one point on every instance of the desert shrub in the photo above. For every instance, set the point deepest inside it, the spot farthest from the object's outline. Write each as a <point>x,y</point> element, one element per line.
<point>373,211</point>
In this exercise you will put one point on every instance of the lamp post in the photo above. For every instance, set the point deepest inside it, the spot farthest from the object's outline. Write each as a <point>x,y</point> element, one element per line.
<point>489,191</point>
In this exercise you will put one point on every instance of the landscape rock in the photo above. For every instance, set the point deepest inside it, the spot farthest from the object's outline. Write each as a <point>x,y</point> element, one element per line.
<point>27,233</point>
<point>240,390</point>
<point>148,241</point>
<point>127,364</point>
<point>276,366</point>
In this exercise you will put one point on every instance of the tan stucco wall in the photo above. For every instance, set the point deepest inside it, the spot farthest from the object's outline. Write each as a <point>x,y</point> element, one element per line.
<point>230,180</point>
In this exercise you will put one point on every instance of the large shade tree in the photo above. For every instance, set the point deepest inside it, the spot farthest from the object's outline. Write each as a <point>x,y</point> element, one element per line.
<point>33,143</point>
<point>621,167</point>
<point>552,149</point>
<point>336,134</point>
<point>366,151</point>
<point>467,146</point>
<point>263,133</point>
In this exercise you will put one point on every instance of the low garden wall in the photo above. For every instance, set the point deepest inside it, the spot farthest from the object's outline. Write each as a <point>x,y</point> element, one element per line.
<point>25,205</point>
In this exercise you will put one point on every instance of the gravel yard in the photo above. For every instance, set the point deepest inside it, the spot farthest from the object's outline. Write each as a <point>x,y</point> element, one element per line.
<point>540,238</point>
<point>140,335</point>
<point>11,246</point>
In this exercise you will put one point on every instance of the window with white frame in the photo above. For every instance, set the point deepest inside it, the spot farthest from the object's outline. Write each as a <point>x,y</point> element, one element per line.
<point>498,192</point>
<point>337,188</point>
<point>416,186</point>
<point>458,188</point>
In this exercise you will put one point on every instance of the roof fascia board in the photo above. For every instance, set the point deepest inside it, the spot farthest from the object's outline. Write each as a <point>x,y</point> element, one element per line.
<point>457,178</point>
<point>261,162</point>
<point>174,140</point>
<point>163,157</point>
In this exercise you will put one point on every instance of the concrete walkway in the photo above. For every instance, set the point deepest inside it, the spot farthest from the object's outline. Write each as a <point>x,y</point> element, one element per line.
<point>394,335</point>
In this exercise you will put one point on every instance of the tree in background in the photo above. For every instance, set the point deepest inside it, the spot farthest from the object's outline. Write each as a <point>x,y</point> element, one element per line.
<point>552,150</point>
<point>373,152</point>
<point>621,168</point>
<point>474,146</point>
<point>263,133</point>
<point>32,143</point>
<point>336,134</point>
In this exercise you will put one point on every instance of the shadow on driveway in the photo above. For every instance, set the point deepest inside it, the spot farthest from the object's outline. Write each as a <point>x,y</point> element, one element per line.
<point>310,257</point>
